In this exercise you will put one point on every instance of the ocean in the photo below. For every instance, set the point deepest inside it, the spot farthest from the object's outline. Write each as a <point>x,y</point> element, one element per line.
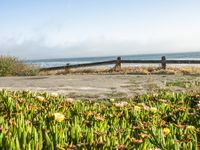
<point>45,63</point>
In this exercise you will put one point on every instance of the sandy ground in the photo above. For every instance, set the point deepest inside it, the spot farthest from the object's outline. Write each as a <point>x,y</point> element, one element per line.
<point>97,86</point>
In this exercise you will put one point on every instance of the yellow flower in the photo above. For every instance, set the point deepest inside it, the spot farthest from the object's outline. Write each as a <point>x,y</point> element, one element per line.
<point>166,131</point>
<point>112,99</point>
<point>54,94</point>
<point>153,109</point>
<point>137,108</point>
<point>41,98</point>
<point>59,117</point>
<point>190,127</point>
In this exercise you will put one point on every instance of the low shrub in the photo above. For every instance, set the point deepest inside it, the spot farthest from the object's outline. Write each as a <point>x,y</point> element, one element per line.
<point>12,66</point>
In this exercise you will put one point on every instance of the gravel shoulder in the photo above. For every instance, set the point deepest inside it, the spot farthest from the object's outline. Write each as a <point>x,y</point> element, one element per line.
<point>98,86</point>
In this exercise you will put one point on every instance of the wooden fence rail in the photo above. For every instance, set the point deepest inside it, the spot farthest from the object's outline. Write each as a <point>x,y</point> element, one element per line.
<point>119,61</point>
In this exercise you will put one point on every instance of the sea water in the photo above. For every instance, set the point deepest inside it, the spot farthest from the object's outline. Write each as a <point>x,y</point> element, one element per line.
<point>64,61</point>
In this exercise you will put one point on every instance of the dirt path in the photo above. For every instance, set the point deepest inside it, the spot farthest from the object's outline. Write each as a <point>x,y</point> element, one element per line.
<point>98,86</point>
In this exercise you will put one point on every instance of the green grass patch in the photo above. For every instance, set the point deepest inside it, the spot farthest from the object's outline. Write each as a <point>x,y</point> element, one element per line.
<point>183,84</point>
<point>178,83</point>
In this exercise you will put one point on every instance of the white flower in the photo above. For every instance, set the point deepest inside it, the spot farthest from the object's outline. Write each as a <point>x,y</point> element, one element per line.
<point>145,107</point>
<point>162,100</point>
<point>198,104</point>
<point>121,104</point>
<point>40,98</point>
<point>54,94</point>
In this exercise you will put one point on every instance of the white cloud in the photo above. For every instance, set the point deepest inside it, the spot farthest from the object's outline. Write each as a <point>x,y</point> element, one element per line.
<point>42,47</point>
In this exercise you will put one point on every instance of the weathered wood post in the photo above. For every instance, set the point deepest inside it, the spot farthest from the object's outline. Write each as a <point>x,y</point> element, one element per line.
<point>67,68</point>
<point>118,64</point>
<point>163,62</point>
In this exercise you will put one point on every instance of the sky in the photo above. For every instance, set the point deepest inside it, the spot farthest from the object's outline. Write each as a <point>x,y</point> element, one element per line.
<point>37,29</point>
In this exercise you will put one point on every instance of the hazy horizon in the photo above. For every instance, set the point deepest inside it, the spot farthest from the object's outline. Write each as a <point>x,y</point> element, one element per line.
<point>125,55</point>
<point>73,28</point>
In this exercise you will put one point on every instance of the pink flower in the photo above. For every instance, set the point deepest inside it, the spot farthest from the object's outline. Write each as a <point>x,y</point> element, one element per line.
<point>70,100</point>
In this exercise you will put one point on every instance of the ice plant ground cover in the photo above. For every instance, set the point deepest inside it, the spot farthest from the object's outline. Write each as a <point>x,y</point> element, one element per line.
<point>164,120</point>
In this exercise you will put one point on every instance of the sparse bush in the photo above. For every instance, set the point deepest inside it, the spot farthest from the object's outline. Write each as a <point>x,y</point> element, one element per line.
<point>11,66</point>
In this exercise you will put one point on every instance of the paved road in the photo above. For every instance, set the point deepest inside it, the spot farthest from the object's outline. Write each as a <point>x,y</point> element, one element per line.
<point>94,86</point>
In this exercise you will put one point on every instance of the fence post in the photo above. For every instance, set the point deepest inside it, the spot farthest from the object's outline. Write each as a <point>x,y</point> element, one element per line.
<point>163,62</point>
<point>67,68</point>
<point>118,63</point>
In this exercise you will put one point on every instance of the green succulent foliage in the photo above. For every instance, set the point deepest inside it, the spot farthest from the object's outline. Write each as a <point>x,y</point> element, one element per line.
<point>161,121</point>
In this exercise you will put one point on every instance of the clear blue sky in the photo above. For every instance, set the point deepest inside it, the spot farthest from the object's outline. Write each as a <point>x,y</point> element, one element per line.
<point>34,29</point>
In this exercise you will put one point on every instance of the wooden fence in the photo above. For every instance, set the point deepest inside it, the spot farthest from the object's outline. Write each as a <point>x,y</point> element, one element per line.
<point>163,61</point>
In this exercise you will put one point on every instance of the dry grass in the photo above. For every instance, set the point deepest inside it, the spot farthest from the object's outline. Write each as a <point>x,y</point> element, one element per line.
<point>127,70</point>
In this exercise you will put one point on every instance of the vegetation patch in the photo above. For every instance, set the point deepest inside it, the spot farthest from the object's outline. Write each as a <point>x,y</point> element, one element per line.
<point>164,120</point>
<point>183,84</point>
<point>11,66</point>
<point>137,70</point>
